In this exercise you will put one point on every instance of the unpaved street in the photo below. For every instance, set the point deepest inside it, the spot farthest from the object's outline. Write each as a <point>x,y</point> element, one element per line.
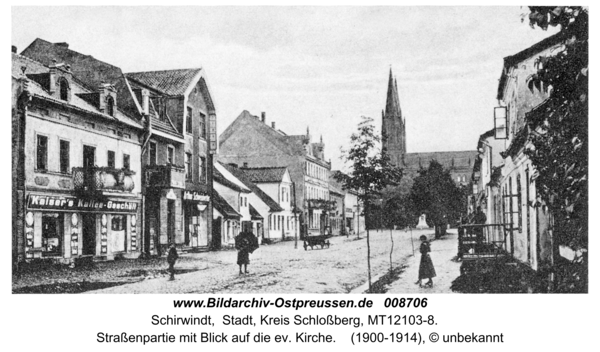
<point>279,268</point>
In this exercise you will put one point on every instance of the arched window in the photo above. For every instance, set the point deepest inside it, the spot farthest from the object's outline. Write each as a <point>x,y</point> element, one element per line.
<point>64,89</point>
<point>110,106</point>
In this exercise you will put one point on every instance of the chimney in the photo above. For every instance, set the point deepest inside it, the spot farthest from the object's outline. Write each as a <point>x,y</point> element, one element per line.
<point>273,124</point>
<point>234,165</point>
<point>263,117</point>
<point>13,49</point>
<point>145,102</point>
<point>245,165</point>
<point>62,45</point>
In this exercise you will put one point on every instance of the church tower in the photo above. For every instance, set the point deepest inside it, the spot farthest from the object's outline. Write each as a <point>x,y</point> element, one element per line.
<point>393,128</point>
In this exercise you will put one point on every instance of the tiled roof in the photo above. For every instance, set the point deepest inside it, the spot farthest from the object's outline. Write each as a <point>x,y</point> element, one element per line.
<point>265,174</point>
<point>220,178</point>
<point>223,207</point>
<point>157,123</point>
<point>169,82</point>
<point>241,175</point>
<point>88,70</point>
<point>75,101</point>
<point>292,145</point>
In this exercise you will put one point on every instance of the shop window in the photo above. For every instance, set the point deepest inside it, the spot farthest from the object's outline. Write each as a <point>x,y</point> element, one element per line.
<point>52,233</point>
<point>118,223</point>
<point>42,153</point>
<point>126,162</point>
<point>110,157</point>
<point>65,148</point>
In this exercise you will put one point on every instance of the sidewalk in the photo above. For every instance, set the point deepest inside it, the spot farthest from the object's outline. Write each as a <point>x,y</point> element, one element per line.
<point>442,252</point>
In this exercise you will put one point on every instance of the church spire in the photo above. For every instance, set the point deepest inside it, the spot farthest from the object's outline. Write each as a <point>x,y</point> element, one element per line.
<point>392,105</point>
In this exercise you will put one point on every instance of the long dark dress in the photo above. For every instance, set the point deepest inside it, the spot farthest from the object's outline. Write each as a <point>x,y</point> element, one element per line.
<point>245,243</point>
<point>426,269</point>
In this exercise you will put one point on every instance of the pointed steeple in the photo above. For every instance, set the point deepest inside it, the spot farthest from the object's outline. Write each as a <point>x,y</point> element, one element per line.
<point>392,105</point>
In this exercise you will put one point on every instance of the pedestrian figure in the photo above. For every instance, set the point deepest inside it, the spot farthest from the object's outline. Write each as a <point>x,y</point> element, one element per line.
<point>426,269</point>
<point>245,243</point>
<point>171,259</point>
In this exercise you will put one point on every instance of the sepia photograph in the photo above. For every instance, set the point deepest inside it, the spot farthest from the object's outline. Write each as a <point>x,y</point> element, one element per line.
<point>299,150</point>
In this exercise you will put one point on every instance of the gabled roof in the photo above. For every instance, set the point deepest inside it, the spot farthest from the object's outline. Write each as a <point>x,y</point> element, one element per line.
<point>223,207</point>
<point>169,82</point>
<point>254,214</point>
<point>291,145</point>
<point>75,102</point>
<point>334,185</point>
<point>265,174</point>
<point>157,123</point>
<point>220,178</point>
<point>523,55</point>
<point>89,70</point>
<point>241,175</point>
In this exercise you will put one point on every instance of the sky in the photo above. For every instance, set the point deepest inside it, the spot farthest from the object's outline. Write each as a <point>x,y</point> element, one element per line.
<point>322,67</point>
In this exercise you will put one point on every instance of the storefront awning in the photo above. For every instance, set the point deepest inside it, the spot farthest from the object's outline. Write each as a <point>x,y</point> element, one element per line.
<point>223,207</point>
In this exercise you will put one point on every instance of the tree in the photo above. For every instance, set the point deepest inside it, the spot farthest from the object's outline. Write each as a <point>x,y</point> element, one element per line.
<point>435,194</point>
<point>371,172</point>
<point>559,142</point>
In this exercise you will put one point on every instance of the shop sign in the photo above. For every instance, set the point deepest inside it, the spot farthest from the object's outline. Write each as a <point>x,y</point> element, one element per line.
<point>77,204</point>
<point>195,196</point>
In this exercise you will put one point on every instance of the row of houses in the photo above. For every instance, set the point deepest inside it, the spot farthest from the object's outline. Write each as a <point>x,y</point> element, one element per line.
<point>503,176</point>
<point>109,164</point>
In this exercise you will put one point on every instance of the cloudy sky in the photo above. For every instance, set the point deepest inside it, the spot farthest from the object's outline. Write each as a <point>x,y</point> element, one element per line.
<point>321,67</point>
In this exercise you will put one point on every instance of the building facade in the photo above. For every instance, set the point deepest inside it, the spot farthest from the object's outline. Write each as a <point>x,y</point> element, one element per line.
<point>250,141</point>
<point>177,156</point>
<point>530,239</point>
<point>77,167</point>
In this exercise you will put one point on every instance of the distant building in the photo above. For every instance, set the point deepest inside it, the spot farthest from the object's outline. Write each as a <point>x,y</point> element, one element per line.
<point>460,163</point>
<point>251,142</point>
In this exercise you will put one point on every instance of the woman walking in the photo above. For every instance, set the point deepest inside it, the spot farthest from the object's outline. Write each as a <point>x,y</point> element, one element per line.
<point>245,243</point>
<point>426,269</point>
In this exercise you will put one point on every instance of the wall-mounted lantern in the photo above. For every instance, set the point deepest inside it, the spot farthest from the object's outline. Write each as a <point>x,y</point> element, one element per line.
<point>500,123</point>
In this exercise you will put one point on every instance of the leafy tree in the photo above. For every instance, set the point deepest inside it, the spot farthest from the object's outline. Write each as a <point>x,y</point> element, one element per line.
<point>371,172</point>
<point>435,194</point>
<point>560,142</point>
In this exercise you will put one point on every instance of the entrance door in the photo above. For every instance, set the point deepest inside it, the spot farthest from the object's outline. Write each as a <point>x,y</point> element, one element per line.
<point>216,233</point>
<point>88,228</point>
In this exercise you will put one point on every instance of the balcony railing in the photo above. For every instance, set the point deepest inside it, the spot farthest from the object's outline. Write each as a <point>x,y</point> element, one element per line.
<point>102,179</point>
<point>165,176</point>
<point>483,241</point>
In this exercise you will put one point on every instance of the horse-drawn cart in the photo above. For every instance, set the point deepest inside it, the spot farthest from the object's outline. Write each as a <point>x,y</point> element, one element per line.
<point>319,240</point>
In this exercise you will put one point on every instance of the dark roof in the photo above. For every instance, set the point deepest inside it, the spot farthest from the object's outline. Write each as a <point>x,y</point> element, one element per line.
<point>255,215</point>
<point>89,70</point>
<point>223,207</point>
<point>264,174</point>
<point>241,175</point>
<point>334,185</point>
<point>220,178</point>
<point>291,145</point>
<point>458,159</point>
<point>169,82</point>
<point>524,55</point>
<point>35,71</point>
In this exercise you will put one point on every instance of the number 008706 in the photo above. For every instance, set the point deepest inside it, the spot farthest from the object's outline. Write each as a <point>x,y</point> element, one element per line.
<point>405,302</point>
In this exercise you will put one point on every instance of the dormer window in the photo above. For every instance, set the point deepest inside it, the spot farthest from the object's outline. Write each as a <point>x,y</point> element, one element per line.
<point>110,105</point>
<point>64,89</point>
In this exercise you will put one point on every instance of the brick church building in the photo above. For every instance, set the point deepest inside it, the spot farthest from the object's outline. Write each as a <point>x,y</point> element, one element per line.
<point>393,129</point>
